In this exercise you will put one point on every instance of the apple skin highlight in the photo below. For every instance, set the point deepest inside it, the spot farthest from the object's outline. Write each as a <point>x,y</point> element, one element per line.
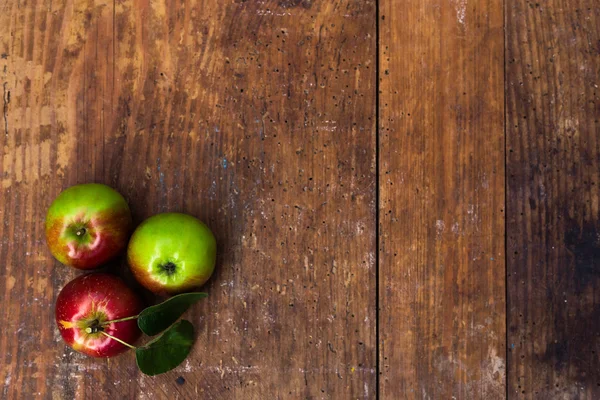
<point>88,225</point>
<point>89,301</point>
<point>172,253</point>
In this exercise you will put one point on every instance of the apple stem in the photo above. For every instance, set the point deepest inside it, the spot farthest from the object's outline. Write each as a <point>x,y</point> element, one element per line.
<point>118,340</point>
<point>119,320</point>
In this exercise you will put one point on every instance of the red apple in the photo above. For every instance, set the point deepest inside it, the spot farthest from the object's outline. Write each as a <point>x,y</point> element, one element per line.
<point>87,310</point>
<point>87,225</point>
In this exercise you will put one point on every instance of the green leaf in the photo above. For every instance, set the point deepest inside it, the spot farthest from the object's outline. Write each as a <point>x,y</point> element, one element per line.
<point>166,351</point>
<point>153,320</point>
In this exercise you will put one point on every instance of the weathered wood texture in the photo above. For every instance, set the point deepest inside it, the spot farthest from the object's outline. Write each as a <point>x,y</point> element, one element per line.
<point>553,166</point>
<point>441,286</point>
<point>257,117</point>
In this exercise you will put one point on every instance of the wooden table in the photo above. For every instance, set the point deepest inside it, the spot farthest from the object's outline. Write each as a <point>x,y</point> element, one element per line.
<point>405,193</point>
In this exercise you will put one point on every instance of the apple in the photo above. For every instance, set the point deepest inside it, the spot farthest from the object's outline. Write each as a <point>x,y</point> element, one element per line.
<point>88,225</point>
<point>96,315</point>
<point>172,253</point>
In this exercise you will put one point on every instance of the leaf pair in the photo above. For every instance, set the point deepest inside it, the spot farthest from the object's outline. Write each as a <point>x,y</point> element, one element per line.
<point>168,350</point>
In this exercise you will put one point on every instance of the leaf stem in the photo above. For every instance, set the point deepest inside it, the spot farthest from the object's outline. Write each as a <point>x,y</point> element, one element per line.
<point>118,340</point>
<point>119,320</point>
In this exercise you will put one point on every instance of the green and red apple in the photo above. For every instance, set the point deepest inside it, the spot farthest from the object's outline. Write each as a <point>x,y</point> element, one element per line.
<point>95,314</point>
<point>88,225</point>
<point>172,253</point>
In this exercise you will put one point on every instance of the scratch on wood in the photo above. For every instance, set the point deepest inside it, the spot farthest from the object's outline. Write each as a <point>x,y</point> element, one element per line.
<point>6,98</point>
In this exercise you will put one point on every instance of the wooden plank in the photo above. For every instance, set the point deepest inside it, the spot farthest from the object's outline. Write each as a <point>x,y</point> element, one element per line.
<point>553,166</point>
<point>49,132</point>
<point>442,270</point>
<point>255,116</point>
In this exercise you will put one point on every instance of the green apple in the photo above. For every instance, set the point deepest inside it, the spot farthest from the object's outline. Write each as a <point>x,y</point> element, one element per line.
<point>172,253</point>
<point>87,225</point>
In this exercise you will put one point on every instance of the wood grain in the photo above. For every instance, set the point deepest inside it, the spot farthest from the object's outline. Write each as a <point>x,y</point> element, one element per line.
<point>553,166</point>
<point>257,117</point>
<point>441,279</point>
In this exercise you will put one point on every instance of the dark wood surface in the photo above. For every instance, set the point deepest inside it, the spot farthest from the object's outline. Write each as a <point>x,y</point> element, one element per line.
<point>553,166</point>
<point>258,118</point>
<point>353,158</point>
